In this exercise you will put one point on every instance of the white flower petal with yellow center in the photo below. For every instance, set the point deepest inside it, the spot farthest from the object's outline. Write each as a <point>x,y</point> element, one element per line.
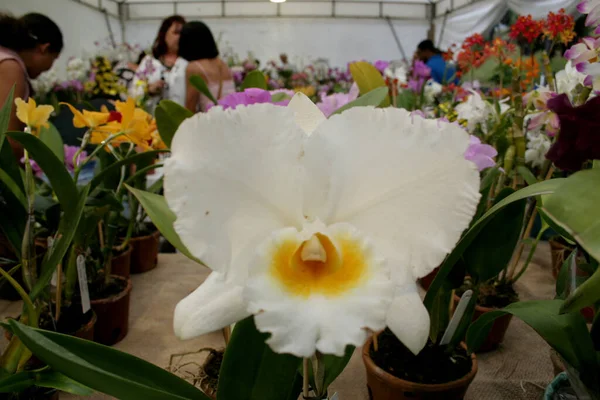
<point>319,228</point>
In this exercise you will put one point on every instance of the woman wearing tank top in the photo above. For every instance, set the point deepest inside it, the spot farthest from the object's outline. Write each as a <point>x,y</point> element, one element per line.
<point>197,45</point>
<point>28,46</point>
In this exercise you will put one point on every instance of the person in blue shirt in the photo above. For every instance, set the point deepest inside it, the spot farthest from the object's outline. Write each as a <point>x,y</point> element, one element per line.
<point>441,72</point>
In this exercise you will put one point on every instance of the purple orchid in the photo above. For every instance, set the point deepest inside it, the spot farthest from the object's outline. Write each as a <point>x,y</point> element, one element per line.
<point>416,84</point>
<point>252,96</point>
<point>592,8</point>
<point>420,69</point>
<point>70,152</point>
<point>329,104</point>
<point>381,65</point>
<point>480,154</point>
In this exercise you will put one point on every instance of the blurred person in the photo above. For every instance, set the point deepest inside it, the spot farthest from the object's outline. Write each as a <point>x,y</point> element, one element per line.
<point>29,45</point>
<point>153,74</point>
<point>198,47</point>
<point>441,72</point>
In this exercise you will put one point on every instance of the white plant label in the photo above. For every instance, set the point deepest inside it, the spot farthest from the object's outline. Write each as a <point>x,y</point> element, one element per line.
<point>83,284</point>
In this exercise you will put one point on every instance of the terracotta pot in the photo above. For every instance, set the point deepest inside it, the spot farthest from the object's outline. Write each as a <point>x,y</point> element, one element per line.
<point>427,279</point>
<point>120,265</point>
<point>499,327</point>
<point>145,253</point>
<point>113,315</point>
<point>385,386</point>
<point>86,331</point>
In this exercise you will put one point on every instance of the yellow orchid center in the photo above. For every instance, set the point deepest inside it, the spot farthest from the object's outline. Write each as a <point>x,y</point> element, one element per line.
<point>318,266</point>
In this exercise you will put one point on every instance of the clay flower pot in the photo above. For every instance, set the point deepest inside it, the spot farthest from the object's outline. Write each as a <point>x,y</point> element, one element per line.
<point>145,253</point>
<point>385,386</point>
<point>559,253</point>
<point>499,327</point>
<point>113,315</point>
<point>120,264</point>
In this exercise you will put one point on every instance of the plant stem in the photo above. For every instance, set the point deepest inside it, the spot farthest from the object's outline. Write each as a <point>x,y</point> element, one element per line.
<point>28,246</point>
<point>529,256</point>
<point>305,377</point>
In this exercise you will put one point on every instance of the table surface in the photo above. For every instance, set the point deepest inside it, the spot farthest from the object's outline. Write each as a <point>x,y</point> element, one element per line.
<point>519,369</point>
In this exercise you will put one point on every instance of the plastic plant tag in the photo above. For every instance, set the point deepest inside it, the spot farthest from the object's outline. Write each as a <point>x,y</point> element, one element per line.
<point>335,397</point>
<point>83,284</point>
<point>458,314</point>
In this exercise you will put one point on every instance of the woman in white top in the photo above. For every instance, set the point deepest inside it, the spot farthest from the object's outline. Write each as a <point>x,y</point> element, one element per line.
<point>159,71</point>
<point>198,47</point>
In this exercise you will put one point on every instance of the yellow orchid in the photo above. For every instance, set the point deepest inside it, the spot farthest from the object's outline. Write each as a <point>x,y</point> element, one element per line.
<point>32,115</point>
<point>88,119</point>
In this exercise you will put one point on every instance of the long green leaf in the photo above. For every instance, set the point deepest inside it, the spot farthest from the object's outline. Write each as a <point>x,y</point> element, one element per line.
<point>527,175</point>
<point>545,187</point>
<point>563,276</point>
<point>254,79</point>
<point>492,248</point>
<point>252,371</point>
<point>367,77</point>
<point>5,113</point>
<point>373,98</point>
<point>13,187</point>
<point>199,84</point>
<point>60,179</point>
<point>162,217</point>
<point>66,232</point>
<point>12,210</point>
<point>103,368</point>
<point>146,156</point>
<point>567,334</point>
<point>169,115</point>
<point>51,138</point>
<point>585,295</point>
<point>574,206</point>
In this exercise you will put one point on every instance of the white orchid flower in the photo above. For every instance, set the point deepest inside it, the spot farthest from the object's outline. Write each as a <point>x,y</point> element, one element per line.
<point>317,227</point>
<point>475,110</point>
<point>568,79</point>
<point>537,147</point>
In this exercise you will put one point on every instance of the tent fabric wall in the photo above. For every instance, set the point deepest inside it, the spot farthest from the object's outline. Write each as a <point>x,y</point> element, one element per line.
<point>303,39</point>
<point>482,15</point>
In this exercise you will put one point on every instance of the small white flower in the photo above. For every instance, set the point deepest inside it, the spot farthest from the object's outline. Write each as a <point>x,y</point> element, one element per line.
<point>568,79</point>
<point>537,146</point>
<point>400,73</point>
<point>77,69</point>
<point>317,227</point>
<point>45,82</point>
<point>431,90</point>
<point>475,110</point>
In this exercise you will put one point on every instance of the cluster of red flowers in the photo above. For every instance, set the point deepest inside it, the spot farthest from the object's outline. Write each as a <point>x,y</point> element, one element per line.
<point>527,29</point>
<point>449,54</point>
<point>499,48</point>
<point>473,53</point>
<point>560,27</point>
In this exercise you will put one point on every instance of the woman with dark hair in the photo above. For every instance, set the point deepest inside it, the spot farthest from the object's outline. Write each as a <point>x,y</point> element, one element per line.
<point>28,46</point>
<point>153,74</point>
<point>197,45</point>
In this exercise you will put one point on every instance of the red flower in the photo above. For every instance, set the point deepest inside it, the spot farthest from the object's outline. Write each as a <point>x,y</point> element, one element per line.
<point>449,54</point>
<point>115,116</point>
<point>526,28</point>
<point>560,27</point>
<point>473,53</point>
<point>579,136</point>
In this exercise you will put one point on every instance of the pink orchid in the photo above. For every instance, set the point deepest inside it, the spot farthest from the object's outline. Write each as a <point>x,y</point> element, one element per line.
<point>592,9</point>
<point>480,154</point>
<point>329,104</point>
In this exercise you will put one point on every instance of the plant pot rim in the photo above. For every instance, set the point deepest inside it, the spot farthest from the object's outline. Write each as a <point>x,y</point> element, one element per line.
<point>115,297</point>
<point>127,250</point>
<point>146,237</point>
<point>88,325</point>
<point>479,307</point>
<point>396,382</point>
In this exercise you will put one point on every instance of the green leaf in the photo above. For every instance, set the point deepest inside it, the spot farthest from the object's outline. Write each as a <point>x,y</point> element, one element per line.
<point>13,187</point>
<point>553,225</point>
<point>367,77</point>
<point>492,248</point>
<point>527,175</point>
<point>585,295</point>
<point>254,79</point>
<point>545,187</point>
<point>60,179</point>
<point>51,138</point>
<point>199,84</point>
<point>374,98</point>
<point>66,232</point>
<point>106,172</point>
<point>169,115</point>
<point>563,276</point>
<point>162,217</point>
<point>335,365</point>
<point>252,371</point>
<point>13,213</point>
<point>5,113</point>
<point>103,368</point>
<point>281,96</point>
<point>488,179</point>
<point>574,207</point>
<point>55,380</point>
<point>567,334</point>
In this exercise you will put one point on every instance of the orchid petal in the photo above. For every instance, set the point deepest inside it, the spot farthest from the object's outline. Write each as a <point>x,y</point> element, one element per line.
<point>308,116</point>
<point>234,176</point>
<point>214,305</point>
<point>408,318</point>
<point>403,183</point>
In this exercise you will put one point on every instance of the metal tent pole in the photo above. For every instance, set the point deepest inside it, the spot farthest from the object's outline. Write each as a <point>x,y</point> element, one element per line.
<point>389,20</point>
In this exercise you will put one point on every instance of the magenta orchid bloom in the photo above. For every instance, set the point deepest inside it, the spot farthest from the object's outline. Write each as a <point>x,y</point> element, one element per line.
<point>381,65</point>
<point>329,104</point>
<point>70,152</point>
<point>584,56</point>
<point>480,154</point>
<point>420,69</point>
<point>592,9</point>
<point>252,96</point>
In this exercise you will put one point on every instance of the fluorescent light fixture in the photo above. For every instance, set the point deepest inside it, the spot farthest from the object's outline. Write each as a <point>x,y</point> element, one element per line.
<point>277,1</point>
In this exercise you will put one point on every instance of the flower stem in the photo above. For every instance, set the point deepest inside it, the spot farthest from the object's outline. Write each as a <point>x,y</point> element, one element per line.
<point>28,246</point>
<point>305,378</point>
<point>529,256</point>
